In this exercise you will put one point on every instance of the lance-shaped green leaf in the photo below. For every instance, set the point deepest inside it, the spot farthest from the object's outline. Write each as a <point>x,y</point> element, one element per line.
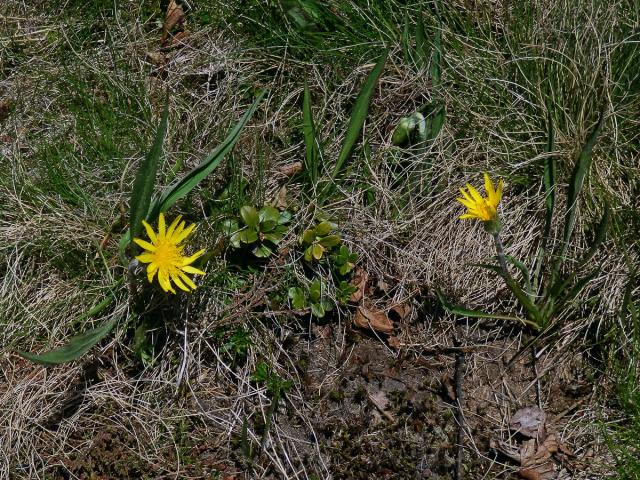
<point>436,59</point>
<point>182,187</point>
<point>580,172</point>
<point>144,183</point>
<point>601,233</point>
<point>359,114</point>
<point>549,178</point>
<point>465,312</point>
<point>422,51</point>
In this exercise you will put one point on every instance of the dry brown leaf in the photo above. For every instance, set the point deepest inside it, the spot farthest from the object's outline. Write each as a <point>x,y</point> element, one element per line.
<point>537,460</point>
<point>399,312</point>
<point>175,17</point>
<point>360,278</point>
<point>394,342</point>
<point>281,198</point>
<point>291,169</point>
<point>179,38</point>
<point>157,58</point>
<point>375,319</point>
<point>530,422</point>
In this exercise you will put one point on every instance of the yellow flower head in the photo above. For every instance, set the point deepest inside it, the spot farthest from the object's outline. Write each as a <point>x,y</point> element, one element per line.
<point>164,255</point>
<point>485,209</point>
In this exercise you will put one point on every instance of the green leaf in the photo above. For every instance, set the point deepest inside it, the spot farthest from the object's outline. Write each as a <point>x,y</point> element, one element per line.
<point>359,114</point>
<point>526,276</point>
<point>248,235</point>
<point>317,310</point>
<point>269,214</point>
<point>435,122</point>
<point>422,51</point>
<point>298,300</point>
<point>75,347</point>
<point>144,183</point>
<point>330,241</point>
<point>308,254</point>
<point>464,312</point>
<point>230,226</point>
<point>285,217</point>
<point>309,236</point>
<point>182,187</point>
<point>315,290</point>
<point>274,237</point>
<point>436,60</point>
<point>316,251</point>
<point>262,251</point>
<point>549,178</point>
<point>322,229</point>
<point>235,239</point>
<point>312,158</point>
<point>580,172</point>
<point>250,216</point>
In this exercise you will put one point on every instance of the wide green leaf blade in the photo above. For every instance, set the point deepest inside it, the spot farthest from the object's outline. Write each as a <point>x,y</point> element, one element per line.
<point>359,114</point>
<point>182,187</point>
<point>580,172</point>
<point>435,122</point>
<point>76,347</point>
<point>144,183</point>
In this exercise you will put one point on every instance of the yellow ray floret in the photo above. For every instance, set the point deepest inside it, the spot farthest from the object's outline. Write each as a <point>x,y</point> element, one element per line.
<point>483,208</point>
<point>164,254</point>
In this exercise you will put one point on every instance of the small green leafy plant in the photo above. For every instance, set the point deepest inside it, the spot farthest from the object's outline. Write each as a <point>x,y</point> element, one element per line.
<point>260,230</point>
<point>344,261</point>
<point>318,240</point>
<point>314,297</point>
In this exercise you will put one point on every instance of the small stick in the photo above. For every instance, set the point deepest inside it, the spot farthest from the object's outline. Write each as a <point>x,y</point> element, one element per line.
<point>459,415</point>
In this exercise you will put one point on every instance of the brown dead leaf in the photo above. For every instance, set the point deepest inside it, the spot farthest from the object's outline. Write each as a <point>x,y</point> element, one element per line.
<point>157,58</point>
<point>175,18</point>
<point>530,422</point>
<point>281,198</point>
<point>375,319</point>
<point>360,278</point>
<point>179,38</point>
<point>399,312</point>
<point>394,342</point>
<point>537,461</point>
<point>290,169</point>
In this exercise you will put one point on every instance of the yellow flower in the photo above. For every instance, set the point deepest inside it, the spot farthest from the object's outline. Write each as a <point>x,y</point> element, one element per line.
<point>485,209</point>
<point>164,255</point>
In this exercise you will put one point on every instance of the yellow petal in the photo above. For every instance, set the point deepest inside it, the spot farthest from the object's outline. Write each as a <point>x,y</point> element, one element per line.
<point>165,283</point>
<point>466,203</point>
<point>465,195</point>
<point>488,186</point>
<point>173,226</point>
<point>145,245</point>
<point>468,215</point>
<point>187,280</point>
<point>151,271</point>
<point>499,192</point>
<point>146,257</point>
<point>179,283</point>
<point>150,232</point>
<point>162,228</point>
<point>192,258</point>
<point>194,270</point>
<point>474,193</point>
<point>184,234</point>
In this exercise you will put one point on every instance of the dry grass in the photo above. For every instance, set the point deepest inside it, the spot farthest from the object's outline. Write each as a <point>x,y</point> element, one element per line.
<point>181,414</point>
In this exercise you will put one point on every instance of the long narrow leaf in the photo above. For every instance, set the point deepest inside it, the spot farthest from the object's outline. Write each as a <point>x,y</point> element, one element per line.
<point>601,233</point>
<point>144,183</point>
<point>75,348</point>
<point>359,114</point>
<point>422,51</point>
<point>465,312</point>
<point>182,187</point>
<point>312,157</point>
<point>549,179</point>
<point>436,59</point>
<point>580,172</point>
<point>435,122</point>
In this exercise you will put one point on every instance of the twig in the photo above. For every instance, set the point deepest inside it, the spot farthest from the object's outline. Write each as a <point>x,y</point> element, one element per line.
<point>459,415</point>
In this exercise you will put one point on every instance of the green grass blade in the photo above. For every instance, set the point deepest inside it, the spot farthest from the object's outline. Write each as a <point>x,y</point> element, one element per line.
<point>422,50</point>
<point>436,60</point>
<point>580,172</point>
<point>144,183</point>
<point>359,114</point>
<point>182,187</point>
<point>310,139</point>
<point>406,42</point>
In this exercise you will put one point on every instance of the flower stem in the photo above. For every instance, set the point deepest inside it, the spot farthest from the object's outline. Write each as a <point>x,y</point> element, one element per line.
<point>501,257</point>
